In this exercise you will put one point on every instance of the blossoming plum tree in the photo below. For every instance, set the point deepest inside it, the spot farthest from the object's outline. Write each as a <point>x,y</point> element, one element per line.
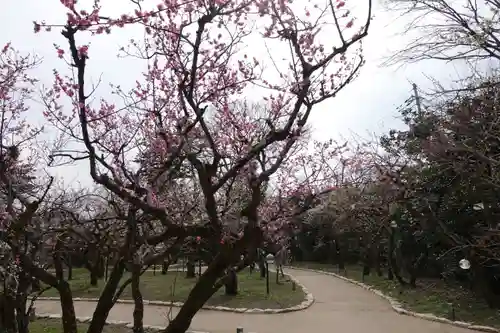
<point>21,193</point>
<point>181,135</point>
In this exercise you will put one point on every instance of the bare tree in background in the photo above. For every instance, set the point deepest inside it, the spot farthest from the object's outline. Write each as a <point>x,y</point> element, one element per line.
<point>449,30</point>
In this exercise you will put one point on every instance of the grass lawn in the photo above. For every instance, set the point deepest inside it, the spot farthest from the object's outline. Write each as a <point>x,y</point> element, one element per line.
<point>175,287</point>
<point>55,326</point>
<point>430,296</point>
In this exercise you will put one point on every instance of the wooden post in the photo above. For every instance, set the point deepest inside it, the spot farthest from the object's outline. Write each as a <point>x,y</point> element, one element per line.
<point>239,330</point>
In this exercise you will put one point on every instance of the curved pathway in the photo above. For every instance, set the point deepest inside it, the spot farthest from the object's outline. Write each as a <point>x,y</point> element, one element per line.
<point>339,307</point>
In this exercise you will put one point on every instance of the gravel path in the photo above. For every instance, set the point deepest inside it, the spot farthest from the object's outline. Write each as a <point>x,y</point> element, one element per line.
<point>339,307</point>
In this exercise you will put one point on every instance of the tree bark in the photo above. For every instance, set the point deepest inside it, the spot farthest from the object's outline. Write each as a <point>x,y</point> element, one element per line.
<point>414,270</point>
<point>231,284</point>
<point>94,281</point>
<point>70,270</point>
<point>105,302</point>
<point>22,317</point>
<point>390,257</point>
<point>101,264</point>
<point>198,296</point>
<point>262,266</point>
<point>8,317</point>
<point>377,259</point>
<point>395,270</point>
<point>190,269</point>
<point>164,267</point>
<point>65,295</point>
<point>67,308</point>
<point>340,254</point>
<point>138,302</point>
<point>390,274</point>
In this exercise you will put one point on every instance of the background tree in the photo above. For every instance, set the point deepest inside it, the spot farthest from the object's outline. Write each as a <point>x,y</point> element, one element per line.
<point>449,30</point>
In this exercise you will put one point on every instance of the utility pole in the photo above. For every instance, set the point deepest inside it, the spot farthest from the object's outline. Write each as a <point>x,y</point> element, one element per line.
<point>417,99</point>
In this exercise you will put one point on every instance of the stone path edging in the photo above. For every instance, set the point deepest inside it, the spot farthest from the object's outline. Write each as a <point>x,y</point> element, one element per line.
<point>307,302</point>
<point>398,307</point>
<point>109,322</point>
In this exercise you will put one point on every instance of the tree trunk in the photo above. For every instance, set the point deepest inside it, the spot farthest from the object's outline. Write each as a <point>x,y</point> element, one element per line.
<point>340,256</point>
<point>164,268</point>
<point>366,257</point>
<point>190,269</point>
<point>138,302</point>
<point>390,256</point>
<point>413,280</point>
<point>70,272</point>
<point>93,278</point>
<point>332,252</point>
<point>377,259</point>
<point>8,317</point>
<point>101,267</point>
<point>198,296</point>
<point>106,269</point>
<point>395,271</point>
<point>105,302</point>
<point>390,274</point>
<point>366,269</point>
<point>231,284</point>
<point>22,317</point>
<point>67,307</point>
<point>35,284</point>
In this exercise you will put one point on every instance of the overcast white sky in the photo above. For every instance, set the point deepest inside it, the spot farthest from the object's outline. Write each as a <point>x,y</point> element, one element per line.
<point>366,105</point>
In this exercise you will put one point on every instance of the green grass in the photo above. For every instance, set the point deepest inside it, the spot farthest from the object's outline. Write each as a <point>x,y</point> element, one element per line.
<point>431,296</point>
<point>175,287</point>
<point>55,326</point>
